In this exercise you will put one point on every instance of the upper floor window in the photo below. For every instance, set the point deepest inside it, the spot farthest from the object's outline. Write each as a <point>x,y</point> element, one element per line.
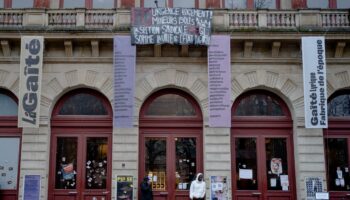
<point>72,4</point>
<point>343,4</point>
<point>318,3</point>
<point>103,4</point>
<point>22,4</point>
<point>170,3</point>
<point>83,104</point>
<point>252,4</point>
<point>339,105</point>
<point>8,106</point>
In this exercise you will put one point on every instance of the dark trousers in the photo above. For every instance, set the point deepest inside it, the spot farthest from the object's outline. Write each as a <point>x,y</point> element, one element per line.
<point>198,198</point>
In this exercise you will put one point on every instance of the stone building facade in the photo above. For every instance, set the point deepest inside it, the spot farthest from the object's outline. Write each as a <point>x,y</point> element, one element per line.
<point>265,58</point>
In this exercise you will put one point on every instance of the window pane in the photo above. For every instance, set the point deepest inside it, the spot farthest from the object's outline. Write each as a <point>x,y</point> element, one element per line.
<point>236,4</point>
<point>343,4</point>
<point>66,163</point>
<point>9,153</point>
<point>337,164</point>
<point>259,105</point>
<point>277,164</point>
<point>152,4</point>
<point>1,3</point>
<point>246,164</point>
<point>270,4</point>
<point>170,105</point>
<point>22,3</point>
<point>103,4</point>
<point>184,3</point>
<point>185,162</point>
<point>74,4</point>
<point>83,104</point>
<point>155,162</point>
<point>317,3</point>
<point>96,163</point>
<point>8,107</point>
<point>339,106</point>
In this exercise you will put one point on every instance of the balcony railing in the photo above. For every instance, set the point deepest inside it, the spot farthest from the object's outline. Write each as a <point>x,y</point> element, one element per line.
<point>109,19</point>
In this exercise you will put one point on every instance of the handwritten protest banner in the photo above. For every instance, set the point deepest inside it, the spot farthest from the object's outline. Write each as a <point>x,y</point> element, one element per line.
<point>171,25</point>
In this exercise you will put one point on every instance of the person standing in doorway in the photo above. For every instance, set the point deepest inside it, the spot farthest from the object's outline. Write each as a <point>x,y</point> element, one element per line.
<point>146,189</point>
<point>197,189</point>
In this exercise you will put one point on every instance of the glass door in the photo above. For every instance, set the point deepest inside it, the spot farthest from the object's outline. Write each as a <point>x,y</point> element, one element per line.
<point>171,163</point>
<point>262,166</point>
<point>81,168</point>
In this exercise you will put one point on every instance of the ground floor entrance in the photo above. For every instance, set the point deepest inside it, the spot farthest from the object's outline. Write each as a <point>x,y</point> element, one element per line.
<point>171,159</point>
<point>263,165</point>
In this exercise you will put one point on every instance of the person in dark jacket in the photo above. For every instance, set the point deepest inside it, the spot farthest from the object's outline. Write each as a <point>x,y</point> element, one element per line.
<point>146,189</point>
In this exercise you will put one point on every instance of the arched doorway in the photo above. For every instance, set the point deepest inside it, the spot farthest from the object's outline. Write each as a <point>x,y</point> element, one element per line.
<point>262,148</point>
<point>170,143</point>
<point>10,145</point>
<point>337,145</point>
<point>80,159</point>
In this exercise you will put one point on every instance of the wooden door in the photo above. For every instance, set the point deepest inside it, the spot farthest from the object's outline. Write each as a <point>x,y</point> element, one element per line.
<point>262,165</point>
<point>81,166</point>
<point>171,159</point>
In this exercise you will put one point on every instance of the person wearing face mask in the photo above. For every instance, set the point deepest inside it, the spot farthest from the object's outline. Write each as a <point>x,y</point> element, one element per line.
<point>197,189</point>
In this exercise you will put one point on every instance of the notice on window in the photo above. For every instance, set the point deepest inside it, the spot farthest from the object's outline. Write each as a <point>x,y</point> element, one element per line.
<point>219,81</point>
<point>315,82</point>
<point>246,174</point>
<point>31,189</point>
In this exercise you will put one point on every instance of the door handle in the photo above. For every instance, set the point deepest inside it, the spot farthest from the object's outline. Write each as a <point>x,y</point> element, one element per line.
<point>163,193</point>
<point>72,192</point>
<point>256,193</point>
<point>105,192</point>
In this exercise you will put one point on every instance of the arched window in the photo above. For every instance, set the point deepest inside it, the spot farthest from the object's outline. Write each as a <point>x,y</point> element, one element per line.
<point>339,105</point>
<point>8,105</point>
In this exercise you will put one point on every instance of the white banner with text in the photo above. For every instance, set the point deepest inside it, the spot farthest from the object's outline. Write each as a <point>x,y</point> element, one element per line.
<point>315,82</point>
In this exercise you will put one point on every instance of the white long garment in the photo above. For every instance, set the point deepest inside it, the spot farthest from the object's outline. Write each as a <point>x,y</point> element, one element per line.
<point>197,189</point>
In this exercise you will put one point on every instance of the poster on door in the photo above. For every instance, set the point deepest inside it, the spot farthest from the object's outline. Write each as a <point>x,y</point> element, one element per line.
<point>313,186</point>
<point>124,188</point>
<point>218,188</point>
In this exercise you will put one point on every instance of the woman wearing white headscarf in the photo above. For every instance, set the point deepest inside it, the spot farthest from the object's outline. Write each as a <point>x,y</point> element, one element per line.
<point>197,189</point>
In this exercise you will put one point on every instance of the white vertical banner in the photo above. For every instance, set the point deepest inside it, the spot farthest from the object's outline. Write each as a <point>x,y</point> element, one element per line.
<point>315,82</point>
<point>30,76</point>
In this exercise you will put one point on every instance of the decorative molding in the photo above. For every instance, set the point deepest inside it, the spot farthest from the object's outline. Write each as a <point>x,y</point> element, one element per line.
<point>343,78</point>
<point>55,85</point>
<point>275,49</point>
<point>236,87</point>
<point>3,76</point>
<point>288,87</point>
<point>198,88</point>
<point>184,51</point>
<point>107,86</point>
<point>95,51</point>
<point>181,78</point>
<point>339,49</point>
<point>271,79</point>
<point>68,47</point>
<point>6,48</point>
<point>330,89</point>
<point>248,48</point>
<point>72,77</point>
<point>252,78</point>
<point>157,50</point>
<point>90,78</point>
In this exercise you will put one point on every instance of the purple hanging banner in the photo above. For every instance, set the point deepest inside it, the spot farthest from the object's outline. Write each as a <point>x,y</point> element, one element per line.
<point>124,62</point>
<point>219,81</point>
